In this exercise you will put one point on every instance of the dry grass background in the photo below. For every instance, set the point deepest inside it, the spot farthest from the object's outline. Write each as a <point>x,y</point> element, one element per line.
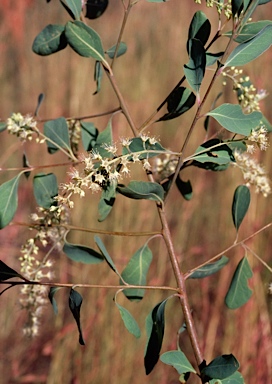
<point>156,36</point>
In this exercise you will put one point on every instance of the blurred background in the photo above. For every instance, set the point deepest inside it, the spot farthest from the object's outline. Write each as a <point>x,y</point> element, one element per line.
<point>156,38</point>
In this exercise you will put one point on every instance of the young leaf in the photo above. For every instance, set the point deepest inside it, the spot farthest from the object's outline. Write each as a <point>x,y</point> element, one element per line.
<point>98,73</point>
<point>45,188</point>
<point>121,50</point>
<point>107,200</point>
<point>8,200</point>
<point>178,360</point>
<point>75,6</point>
<point>88,135</point>
<point>8,273</point>
<point>50,40</point>
<point>239,292</point>
<point>250,50</point>
<point>82,254</point>
<point>95,9</point>
<point>106,255</point>
<point>220,368</point>
<point>178,102</point>
<point>75,301</point>
<point>155,340</point>
<point>52,299</point>
<point>185,188</point>
<point>234,120</point>
<point>195,70</point>
<point>129,321</point>
<point>200,28</point>
<point>136,271</point>
<point>84,40</point>
<point>57,131</point>
<point>236,378</point>
<point>240,204</point>
<point>142,190</point>
<point>209,269</point>
<point>221,154</point>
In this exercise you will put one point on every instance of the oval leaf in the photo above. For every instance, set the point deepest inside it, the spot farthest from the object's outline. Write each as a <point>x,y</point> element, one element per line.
<point>142,190</point>
<point>82,254</point>
<point>50,40</point>
<point>136,271</point>
<point>200,28</point>
<point>209,269</point>
<point>234,120</point>
<point>195,70</point>
<point>57,131</point>
<point>239,292</point>
<point>129,321</point>
<point>216,152</point>
<point>178,360</point>
<point>75,301</point>
<point>178,102</point>
<point>8,200</point>
<point>88,135</point>
<point>105,253</point>
<point>121,50</point>
<point>75,6</point>
<point>221,367</point>
<point>240,204</point>
<point>45,189</point>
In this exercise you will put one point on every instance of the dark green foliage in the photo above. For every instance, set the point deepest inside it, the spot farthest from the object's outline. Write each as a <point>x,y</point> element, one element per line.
<point>45,188</point>
<point>220,368</point>
<point>75,301</point>
<point>185,188</point>
<point>50,40</point>
<point>178,102</point>
<point>209,269</point>
<point>82,254</point>
<point>95,8</point>
<point>240,204</point>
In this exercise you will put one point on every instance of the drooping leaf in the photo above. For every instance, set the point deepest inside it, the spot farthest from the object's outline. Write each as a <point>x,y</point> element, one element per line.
<point>142,190</point>
<point>135,273</point>
<point>195,70</point>
<point>178,102</point>
<point>8,273</point>
<point>178,360</point>
<point>57,131</point>
<point>155,338</point>
<point>137,145</point>
<point>234,120</point>
<point>8,200</point>
<point>215,153</point>
<point>45,188</point>
<point>250,50</point>
<point>200,28</point>
<point>104,137</point>
<point>105,253</point>
<point>220,368</point>
<point>50,40</point>
<point>75,6</point>
<point>236,378</point>
<point>250,30</point>
<point>185,188</point>
<point>89,135</point>
<point>75,301</point>
<point>82,254</point>
<point>239,292</point>
<point>240,204</point>
<point>129,321</point>
<point>121,50</point>
<point>84,40</point>
<point>98,73</point>
<point>209,269</point>
<point>107,200</point>
<point>51,294</point>
<point>95,9</point>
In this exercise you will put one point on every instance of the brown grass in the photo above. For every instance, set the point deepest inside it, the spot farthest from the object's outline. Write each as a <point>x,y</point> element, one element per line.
<point>156,36</point>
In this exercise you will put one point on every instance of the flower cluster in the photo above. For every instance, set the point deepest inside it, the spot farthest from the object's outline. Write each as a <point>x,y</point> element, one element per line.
<point>23,127</point>
<point>254,173</point>
<point>164,167</point>
<point>259,139</point>
<point>221,6</point>
<point>47,222</point>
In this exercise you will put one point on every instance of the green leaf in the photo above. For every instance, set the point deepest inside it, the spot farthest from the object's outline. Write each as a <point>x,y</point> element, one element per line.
<point>84,40</point>
<point>185,188</point>
<point>240,204</point>
<point>26,165</point>
<point>221,154</point>
<point>137,145</point>
<point>45,189</point>
<point>236,378</point>
<point>104,137</point>
<point>50,40</point>
<point>75,301</point>
<point>51,294</point>
<point>107,200</point>
<point>221,367</point>
<point>129,321</point>
<point>75,6</point>
<point>178,102</point>
<point>98,73</point>
<point>8,273</point>
<point>105,253</point>
<point>195,70</point>
<point>121,50</point>
<point>8,200</point>
<point>250,30</point>
<point>236,7</point>
<point>234,120</point>
<point>178,360</point>
<point>3,126</point>
<point>209,269</point>
<point>212,58</point>
<point>250,50</point>
<point>239,292</point>
<point>142,190</point>
<point>88,135</point>
<point>57,131</point>
<point>155,340</point>
<point>136,271</point>
<point>82,254</point>
<point>95,9</point>
<point>200,28</point>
